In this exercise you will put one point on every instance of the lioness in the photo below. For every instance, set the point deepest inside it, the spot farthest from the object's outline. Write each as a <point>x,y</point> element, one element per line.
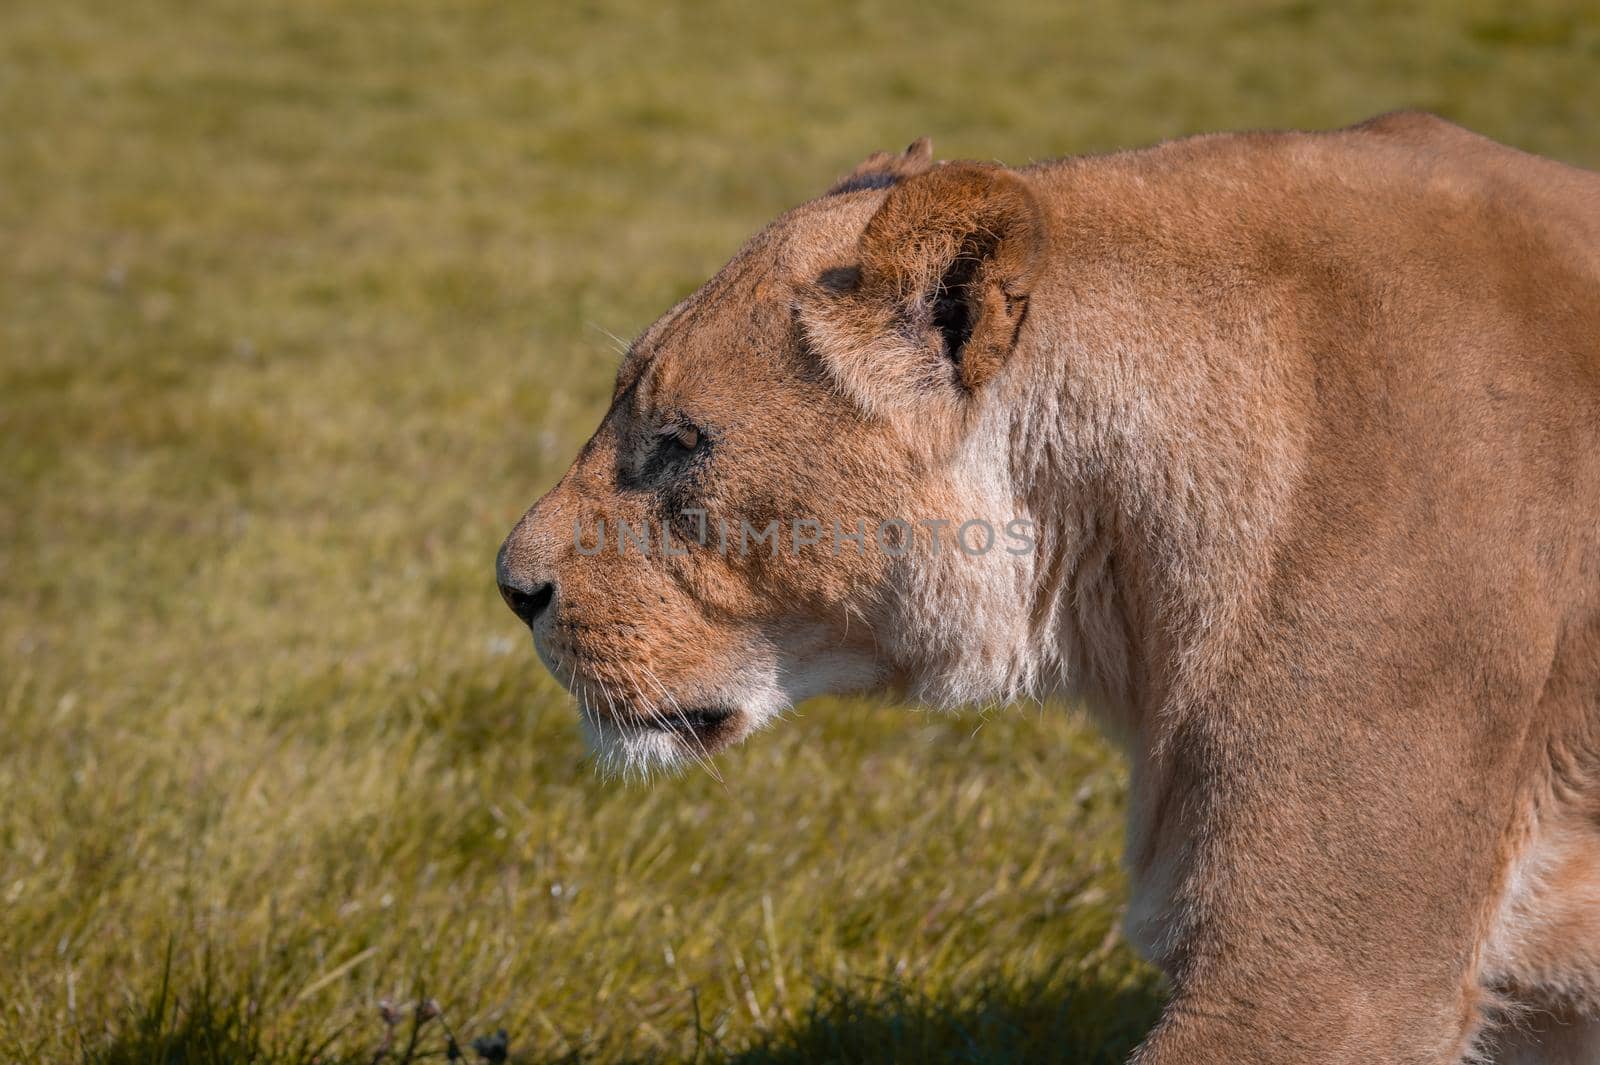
<point>1299,438</point>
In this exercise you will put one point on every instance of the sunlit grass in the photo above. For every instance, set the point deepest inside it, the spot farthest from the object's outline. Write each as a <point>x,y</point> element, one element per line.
<point>301,304</point>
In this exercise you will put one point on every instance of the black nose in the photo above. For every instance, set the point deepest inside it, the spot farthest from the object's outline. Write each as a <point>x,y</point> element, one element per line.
<point>526,604</point>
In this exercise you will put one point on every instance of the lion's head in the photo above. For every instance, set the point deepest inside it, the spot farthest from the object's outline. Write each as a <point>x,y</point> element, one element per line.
<point>801,484</point>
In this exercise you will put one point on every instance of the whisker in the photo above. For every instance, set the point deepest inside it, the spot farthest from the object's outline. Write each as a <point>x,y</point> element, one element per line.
<point>705,755</point>
<point>701,756</point>
<point>617,342</point>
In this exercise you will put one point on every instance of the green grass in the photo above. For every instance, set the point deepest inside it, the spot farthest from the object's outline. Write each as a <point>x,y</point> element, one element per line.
<point>301,304</point>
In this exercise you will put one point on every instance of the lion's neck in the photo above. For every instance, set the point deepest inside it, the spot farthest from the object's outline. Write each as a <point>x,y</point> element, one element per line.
<point>1156,497</point>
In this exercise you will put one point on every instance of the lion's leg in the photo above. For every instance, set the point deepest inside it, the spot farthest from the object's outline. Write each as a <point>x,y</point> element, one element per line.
<point>1331,1022</point>
<point>1336,882</point>
<point>1274,983</point>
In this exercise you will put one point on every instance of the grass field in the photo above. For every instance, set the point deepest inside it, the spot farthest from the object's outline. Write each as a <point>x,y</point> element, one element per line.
<point>301,304</point>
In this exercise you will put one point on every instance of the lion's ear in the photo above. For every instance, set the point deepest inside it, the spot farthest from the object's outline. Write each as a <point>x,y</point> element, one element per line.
<point>938,296</point>
<point>882,169</point>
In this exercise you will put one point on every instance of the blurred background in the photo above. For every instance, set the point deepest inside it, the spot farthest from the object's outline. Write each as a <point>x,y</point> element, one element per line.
<point>302,303</point>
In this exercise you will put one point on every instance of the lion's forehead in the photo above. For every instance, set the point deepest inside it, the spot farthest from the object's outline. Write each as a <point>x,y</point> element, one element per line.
<point>751,296</point>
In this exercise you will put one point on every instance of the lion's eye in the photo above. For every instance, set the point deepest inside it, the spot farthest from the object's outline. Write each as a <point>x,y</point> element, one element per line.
<point>679,439</point>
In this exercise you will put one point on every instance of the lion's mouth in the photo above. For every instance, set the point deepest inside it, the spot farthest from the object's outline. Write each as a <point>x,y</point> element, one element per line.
<point>700,722</point>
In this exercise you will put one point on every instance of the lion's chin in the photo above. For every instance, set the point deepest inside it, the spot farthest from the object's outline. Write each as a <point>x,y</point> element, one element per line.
<point>665,741</point>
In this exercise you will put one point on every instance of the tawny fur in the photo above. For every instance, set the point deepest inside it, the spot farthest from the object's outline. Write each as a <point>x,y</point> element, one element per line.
<point>1308,426</point>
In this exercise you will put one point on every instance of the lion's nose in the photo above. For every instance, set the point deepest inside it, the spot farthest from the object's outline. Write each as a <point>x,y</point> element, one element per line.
<point>528,594</point>
<point>527,602</point>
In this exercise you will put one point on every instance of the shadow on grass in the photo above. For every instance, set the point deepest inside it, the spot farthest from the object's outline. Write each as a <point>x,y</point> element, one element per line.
<point>1086,1022</point>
